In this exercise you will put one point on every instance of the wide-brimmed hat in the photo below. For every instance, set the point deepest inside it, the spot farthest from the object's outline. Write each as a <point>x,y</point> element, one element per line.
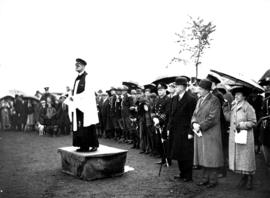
<point>242,89</point>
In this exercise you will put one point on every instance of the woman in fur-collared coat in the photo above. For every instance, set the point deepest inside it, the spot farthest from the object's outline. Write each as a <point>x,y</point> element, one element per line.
<point>242,156</point>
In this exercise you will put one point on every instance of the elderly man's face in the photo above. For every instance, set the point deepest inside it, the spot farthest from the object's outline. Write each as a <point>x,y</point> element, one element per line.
<point>202,92</point>
<point>79,67</point>
<point>180,88</point>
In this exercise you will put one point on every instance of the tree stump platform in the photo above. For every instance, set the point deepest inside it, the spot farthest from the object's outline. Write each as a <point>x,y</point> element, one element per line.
<point>105,162</point>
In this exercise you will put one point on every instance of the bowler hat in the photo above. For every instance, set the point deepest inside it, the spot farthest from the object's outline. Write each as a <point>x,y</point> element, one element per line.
<point>81,61</point>
<point>205,84</point>
<point>181,80</point>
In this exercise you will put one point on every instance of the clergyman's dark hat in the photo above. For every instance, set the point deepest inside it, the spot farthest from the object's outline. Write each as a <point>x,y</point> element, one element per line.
<point>81,61</point>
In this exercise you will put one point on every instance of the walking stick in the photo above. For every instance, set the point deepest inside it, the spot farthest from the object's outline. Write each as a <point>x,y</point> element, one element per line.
<point>163,150</point>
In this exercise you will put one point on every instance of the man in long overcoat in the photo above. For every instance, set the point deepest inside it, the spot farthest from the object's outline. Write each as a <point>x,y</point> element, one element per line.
<point>179,128</point>
<point>208,144</point>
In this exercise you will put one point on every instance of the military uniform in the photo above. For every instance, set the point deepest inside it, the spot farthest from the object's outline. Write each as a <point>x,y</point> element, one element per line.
<point>161,111</point>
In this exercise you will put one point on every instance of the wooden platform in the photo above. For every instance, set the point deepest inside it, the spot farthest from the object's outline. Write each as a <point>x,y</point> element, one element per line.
<point>105,162</point>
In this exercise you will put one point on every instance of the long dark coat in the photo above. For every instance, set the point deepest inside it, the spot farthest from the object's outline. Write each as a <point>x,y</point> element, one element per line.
<point>179,126</point>
<point>105,115</point>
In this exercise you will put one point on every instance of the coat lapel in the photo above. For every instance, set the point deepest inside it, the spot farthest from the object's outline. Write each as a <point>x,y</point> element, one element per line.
<point>203,104</point>
<point>178,104</point>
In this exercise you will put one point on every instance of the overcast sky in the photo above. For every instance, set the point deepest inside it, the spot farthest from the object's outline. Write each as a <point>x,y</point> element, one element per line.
<point>124,40</point>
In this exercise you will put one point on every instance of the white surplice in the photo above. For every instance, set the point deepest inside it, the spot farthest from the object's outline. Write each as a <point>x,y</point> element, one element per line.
<point>85,102</point>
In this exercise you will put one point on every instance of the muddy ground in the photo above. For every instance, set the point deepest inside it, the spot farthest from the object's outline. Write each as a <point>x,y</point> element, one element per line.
<point>30,168</point>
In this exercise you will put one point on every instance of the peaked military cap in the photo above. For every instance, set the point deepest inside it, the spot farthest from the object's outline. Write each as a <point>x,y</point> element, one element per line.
<point>213,78</point>
<point>81,61</point>
<point>162,86</point>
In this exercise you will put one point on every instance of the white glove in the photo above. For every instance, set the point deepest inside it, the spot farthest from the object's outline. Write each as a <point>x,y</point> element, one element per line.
<point>190,136</point>
<point>145,107</point>
<point>196,127</point>
<point>156,121</point>
<point>168,132</point>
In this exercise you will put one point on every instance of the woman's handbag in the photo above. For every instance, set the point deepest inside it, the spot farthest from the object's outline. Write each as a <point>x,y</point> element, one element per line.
<point>240,137</point>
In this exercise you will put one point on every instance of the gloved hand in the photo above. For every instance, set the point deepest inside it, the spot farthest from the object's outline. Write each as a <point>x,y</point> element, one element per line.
<point>145,107</point>
<point>196,126</point>
<point>190,136</point>
<point>168,133</point>
<point>156,121</point>
<point>237,128</point>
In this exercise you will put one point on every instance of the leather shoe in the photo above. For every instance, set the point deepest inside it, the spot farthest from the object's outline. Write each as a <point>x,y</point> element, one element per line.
<point>160,162</point>
<point>211,185</point>
<point>187,180</point>
<point>204,183</point>
<point>178,177</point>
<point>82,150</point>
<point>93,149</point>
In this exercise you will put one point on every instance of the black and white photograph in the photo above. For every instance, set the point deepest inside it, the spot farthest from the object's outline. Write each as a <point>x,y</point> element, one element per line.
<point>134,99</point>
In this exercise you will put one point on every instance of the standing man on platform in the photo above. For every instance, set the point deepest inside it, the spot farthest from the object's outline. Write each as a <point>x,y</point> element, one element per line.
<point>83,110</point>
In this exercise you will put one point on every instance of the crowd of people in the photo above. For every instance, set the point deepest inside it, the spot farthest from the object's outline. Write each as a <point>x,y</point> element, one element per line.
<point>198,125</point>
<point>46,114</point>
<point>192,124</point>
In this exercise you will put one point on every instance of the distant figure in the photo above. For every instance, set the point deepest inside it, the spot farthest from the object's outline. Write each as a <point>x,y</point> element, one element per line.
<point>19,109</point>
<point>47,94</point>
<point>5,116</point>
<point>30,116</point>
